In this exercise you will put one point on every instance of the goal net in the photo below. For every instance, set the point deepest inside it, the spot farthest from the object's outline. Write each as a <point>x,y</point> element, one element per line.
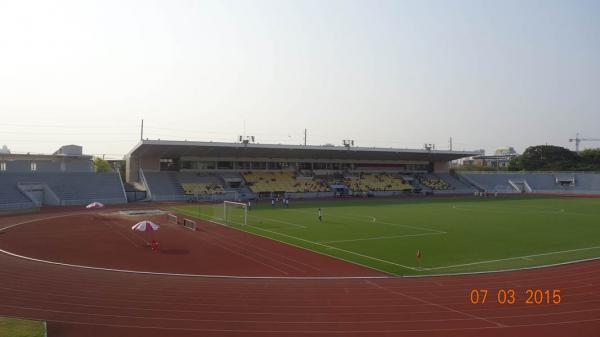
<point>235,213</point>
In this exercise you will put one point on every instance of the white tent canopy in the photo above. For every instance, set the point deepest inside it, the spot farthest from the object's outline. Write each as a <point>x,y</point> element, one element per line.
<point>145,226</point>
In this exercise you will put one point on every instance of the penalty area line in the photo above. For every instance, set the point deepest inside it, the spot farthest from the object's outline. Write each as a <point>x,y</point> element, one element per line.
<point>383,237</point>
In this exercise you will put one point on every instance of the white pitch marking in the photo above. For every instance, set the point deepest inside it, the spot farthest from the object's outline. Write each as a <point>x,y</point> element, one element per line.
<point>514,258</point>
<point>514,209</point>
<point>335,248</point>
<point>354,216</point>
<point>382,237</point>
<point>275,220</point>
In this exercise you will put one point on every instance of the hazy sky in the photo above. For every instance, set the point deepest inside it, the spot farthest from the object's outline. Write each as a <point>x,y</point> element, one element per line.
<point>384,73</point>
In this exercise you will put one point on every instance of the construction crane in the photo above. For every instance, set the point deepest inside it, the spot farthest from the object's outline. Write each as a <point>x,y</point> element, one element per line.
<point>578,140</point>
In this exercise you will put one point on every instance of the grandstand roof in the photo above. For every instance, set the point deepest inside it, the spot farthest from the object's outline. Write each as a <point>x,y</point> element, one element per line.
<point>176,149</point>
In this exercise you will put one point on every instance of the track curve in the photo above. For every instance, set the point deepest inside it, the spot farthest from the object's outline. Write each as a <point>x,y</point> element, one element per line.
<point>80,302</point>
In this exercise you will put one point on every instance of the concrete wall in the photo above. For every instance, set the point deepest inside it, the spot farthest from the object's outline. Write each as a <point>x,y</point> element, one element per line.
<point>441,167</point>
<point>134,163</point>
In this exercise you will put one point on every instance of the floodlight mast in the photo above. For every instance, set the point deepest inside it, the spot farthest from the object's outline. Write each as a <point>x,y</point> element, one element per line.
<point>578,140</point>
<point>246,139</point>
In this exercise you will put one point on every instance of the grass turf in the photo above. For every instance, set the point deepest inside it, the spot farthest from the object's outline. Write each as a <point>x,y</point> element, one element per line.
<point>21,328</point>
<point>454,235</point>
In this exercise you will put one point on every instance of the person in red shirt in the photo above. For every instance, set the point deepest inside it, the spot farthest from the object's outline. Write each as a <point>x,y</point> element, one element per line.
<point>154,245</point>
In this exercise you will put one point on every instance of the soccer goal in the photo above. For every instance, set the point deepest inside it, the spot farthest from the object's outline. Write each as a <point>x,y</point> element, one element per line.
<point>235,213</point>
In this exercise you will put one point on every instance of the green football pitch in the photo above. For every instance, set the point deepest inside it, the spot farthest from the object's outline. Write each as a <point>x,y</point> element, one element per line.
<point>454,235</point>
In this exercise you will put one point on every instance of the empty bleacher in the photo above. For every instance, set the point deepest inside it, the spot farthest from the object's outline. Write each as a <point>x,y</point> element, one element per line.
<point>365,182</point>
<point>285,181</point>
<point>11,197</point>
<point>73,188</point>
<point>80,187</point>
<point>433,182</point>
<point>540,182</point>
<point>164,186</point>
<point>200,183</point>
<point>201,188</point>
<point>456,185</point>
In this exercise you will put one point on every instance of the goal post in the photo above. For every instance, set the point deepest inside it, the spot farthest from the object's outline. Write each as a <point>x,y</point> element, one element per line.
<point>235,213</point>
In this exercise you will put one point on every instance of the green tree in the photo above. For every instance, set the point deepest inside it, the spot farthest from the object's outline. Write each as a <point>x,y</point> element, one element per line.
<point>101,165</point>
<point>589,160</point>
<point>515,164</point>
<point>548,157</point>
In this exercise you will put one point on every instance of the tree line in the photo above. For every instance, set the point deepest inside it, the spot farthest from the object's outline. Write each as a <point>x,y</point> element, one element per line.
<point>555,158</point>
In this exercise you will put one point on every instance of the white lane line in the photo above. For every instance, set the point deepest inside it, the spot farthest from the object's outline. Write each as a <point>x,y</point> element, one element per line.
<point>196,275</point>
<point>525,257</point>
<point>383,237</point>
<point>395,292</point>
<point>335,248</point>
<point>337,257</point>
<point>42,219</point>
<point>176,274</point>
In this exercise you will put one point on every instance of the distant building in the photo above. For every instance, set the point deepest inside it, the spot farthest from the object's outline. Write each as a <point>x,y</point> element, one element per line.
<point>499,160</point>
<point>68,158</point>
<point>469,161</point>
<point>70,150</point>
<point>505,151</point>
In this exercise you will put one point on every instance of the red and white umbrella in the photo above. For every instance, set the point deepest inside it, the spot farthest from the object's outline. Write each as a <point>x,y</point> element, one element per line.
<point>145,226</point>
<point>95,205</point>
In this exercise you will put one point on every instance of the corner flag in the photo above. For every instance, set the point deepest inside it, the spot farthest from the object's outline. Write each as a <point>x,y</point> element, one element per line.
<point>418,253</point>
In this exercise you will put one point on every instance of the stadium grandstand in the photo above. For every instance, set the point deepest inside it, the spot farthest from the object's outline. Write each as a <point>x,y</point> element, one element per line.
<point>185,170</point>
<point>534,182</point>
<point>65,177</point>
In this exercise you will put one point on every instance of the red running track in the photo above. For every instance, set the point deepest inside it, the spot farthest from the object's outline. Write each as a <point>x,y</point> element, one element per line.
<point>83,302</point>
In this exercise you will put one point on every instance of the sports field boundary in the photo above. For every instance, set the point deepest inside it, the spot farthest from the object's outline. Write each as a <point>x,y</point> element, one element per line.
<point>406,276</point>
<point>242,277</point>
<point>141,272</point>
<point>526,257</point>
<point>387,276</point>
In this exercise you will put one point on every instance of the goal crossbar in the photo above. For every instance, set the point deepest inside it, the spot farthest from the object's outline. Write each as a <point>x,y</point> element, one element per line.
<point>235,204</point>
